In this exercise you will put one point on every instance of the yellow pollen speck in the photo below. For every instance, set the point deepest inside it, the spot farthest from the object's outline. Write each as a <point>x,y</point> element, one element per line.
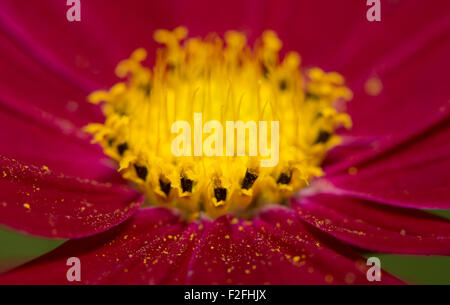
<point>227,236</point>
<point>296,258</point>
<point>373,86</point>
<point>45,168</point>
<point>220,81</point>
<point>350,278</point>
<point>352,170</point>
<point>26,206</point>
<point>329,278</point>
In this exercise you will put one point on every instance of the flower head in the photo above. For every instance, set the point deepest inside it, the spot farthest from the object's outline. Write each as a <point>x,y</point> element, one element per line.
<point>221,83</point>
<point>345,192</point>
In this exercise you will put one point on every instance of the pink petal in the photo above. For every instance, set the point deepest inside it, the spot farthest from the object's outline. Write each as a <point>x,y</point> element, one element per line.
<point>83,53</point>
<point>43,202</point>
<point>156,247</point>
<point>416,175</point>
<point>376,227</point>
<point>414,97</point>
<point>28,86</point>
<point>151,248</point>
<point>41,116</point>
<point>55,143</point>
<point>324,253</point>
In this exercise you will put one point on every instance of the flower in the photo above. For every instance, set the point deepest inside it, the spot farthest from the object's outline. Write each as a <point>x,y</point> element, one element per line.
<point>391,164</point>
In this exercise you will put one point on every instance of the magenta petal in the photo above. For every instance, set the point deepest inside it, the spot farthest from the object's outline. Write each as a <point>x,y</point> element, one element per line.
<point>266,252</point>
<point>30,87</point>
<point>55,143</point>
<point>41,116</point>
<point>151,248</point>
<point>323,253</point>
<point>416,175</point>
<point>414,98</point>
<point>376,227</point>
<point>42,202</point>
<point>156,247</point>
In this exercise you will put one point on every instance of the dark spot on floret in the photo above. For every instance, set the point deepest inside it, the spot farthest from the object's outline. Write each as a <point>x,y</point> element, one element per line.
<point>141,171</point>
<point>265,70</point>
<point>284,178</point>
<point>121,148</point>
<point>220,193</point>
<point>322,137</point>
<point>147,88</point>
<point>165,186</point>
<point>312,96</point>
<point>186,184</point>
<point>248,180</point>
<point>283,85</point>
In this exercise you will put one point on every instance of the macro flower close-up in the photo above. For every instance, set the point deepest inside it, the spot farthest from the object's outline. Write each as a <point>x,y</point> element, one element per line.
<point>210,142</point>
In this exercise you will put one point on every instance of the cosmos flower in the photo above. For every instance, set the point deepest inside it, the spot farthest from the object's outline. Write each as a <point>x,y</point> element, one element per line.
<point>335,194</point>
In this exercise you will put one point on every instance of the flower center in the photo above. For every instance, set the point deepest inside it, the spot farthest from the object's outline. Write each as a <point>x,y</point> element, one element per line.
<point>219,82</point>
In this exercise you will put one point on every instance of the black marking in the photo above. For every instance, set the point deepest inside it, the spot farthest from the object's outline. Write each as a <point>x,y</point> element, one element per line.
<point>248,180</point>
<point>265,70</point>
<point>323,137</point>
<point>312,96</point>
<point>121,148</point>
<point>165,186</point>
<point>284,179</point>
<point>147,88</point>
<point>283,85</point>
<point>220,193</point>
<point>170,67</point>
<point>111,142</point>
<point>186,184</point>
<point>141,171</point>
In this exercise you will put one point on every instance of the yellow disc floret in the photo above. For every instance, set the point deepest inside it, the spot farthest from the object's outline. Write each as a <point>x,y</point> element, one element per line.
<point>220,82</point>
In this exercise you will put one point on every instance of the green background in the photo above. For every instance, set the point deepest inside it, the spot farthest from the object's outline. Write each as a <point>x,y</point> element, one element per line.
<point>17,248</point>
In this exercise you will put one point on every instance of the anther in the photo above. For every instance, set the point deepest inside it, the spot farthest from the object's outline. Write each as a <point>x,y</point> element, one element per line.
<point>248,180</point>
<point>284,179</point>
<point>283,85</point>
<point>322,137</point>
<point>312,96</point>
<point>165,186</point>
<point>147,88</point>
<point>186,184</point>
<point>265,70</point>
<point>121,148</point>
<point>141,171</point>
<point>220,193</point>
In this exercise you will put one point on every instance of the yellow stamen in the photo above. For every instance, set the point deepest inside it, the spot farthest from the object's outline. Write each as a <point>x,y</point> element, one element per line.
<point>224,81</point>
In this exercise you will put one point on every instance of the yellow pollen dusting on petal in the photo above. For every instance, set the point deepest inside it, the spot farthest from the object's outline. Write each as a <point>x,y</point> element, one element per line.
<point>373,86</point>
<point>224,80</point>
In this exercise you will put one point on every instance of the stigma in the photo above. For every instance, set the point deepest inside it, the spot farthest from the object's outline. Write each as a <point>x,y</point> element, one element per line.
<point>268,123</point>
